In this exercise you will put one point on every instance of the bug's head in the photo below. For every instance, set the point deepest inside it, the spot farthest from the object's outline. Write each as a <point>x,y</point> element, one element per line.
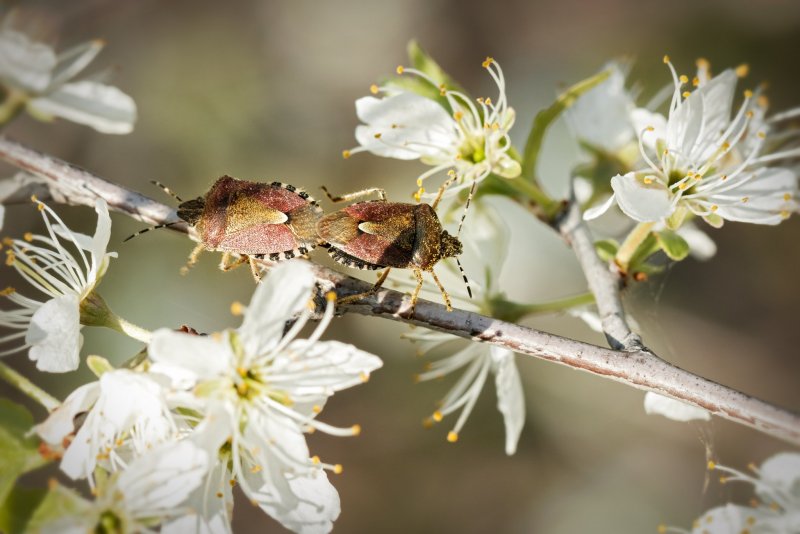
<point>191,210</point>
<point>450,245</point>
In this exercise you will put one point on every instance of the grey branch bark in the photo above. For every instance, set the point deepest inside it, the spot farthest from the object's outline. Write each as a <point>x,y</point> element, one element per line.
<point>628,362</point>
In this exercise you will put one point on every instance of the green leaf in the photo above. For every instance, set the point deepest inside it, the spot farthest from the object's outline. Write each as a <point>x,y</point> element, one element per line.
<point>18,508</point>
<point>606,249</point>
<point>547,116</point>
<point>18,453</point>
<point>647,248</point>
<point>673,245</point>
<point>59,503</point>
<point>423,62</point>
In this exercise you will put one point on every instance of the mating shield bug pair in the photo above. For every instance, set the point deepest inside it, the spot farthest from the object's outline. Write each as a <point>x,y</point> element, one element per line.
<point>277,221</point>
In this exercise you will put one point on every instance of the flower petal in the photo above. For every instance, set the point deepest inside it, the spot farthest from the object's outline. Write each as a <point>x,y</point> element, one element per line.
<point>102,107</point>
<point>644,119</point>
<point>673,409</point>
<point>73,61</point>
<point>61,421</point>
<point>725,519</point>
<point>285,293</point>
<point>187,358</point>
<point>639,201</point>
<point>23,63</point>
<point>317,507</point>
<point>701,246</point>
<point>782,471</point>
<point>55,336</point>
<point>510,395</point>
<point>596,211</point>
<point>766,193</point>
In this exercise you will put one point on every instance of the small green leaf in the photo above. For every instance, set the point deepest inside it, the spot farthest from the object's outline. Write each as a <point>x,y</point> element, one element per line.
<point>423,62</point>
<point>98,365</point>
<point>18,453</point>
<point>18,508</point>
<point>677,218</point>
<point>673,245</point>
<point>547,116</point>
<point>647,248</point>
<point>606,249</point>
<point>57,504</point>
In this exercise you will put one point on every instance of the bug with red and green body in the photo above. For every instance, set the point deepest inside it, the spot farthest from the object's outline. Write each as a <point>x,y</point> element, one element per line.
<point>253,220</point>
<point>383,235</point>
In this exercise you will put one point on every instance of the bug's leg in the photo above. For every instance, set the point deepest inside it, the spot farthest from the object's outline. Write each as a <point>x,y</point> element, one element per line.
<point>229,263</point>
<point>358,194</point>
<point>445,296</point>
<point>415,294</point>
<point>374,289</point>
<point>443,187</point>
<point>255,268</point>
<point>193,258</point>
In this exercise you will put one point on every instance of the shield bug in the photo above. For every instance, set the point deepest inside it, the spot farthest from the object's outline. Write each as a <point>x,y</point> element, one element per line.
<point>253,220</point>
<point>378,234</point>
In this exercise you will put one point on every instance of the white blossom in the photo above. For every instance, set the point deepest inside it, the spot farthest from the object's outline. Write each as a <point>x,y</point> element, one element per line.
<point>51,328</point>
<point>673,409</point>
<point>705,160</point>
<point>776,510</point>
<point>258,390</point>
<point>36,77</point>
<point>153,489</point>
<point>468,138</point>
<point>126,414</point>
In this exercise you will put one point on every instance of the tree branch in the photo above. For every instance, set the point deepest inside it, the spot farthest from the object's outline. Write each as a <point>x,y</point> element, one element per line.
<point>635,366</point>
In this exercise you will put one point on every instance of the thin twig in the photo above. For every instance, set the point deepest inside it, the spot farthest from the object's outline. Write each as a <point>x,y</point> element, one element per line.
<point>634,366</point>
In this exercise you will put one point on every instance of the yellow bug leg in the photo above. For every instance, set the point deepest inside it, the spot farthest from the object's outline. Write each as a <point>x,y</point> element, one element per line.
<point>445,296</point>
<point>415,294</point>
<point>358,194</point>
<point>229,263</point>
<point>192,258</point>
<point>255,268</point>
<point>374,289</point>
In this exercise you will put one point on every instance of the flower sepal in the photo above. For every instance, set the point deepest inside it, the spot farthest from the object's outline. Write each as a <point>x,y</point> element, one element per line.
<point>95,312</point>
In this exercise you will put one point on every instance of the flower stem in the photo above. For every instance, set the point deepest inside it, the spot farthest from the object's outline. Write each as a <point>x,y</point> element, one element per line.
<point>631,244</point>
<point>27,387</point>
<point>507,310</point>
<point>129,329</point>
<point>95,312</point>
<point>536,194</point>
<point>11,105</point>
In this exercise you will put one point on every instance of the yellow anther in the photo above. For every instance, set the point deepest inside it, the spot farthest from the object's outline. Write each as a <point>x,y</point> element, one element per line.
<point>686,94</point>
<point>378,135</point>
<point>452,436</point>
<point>711,465</point>
<point>219,494</point>
<point>394,126</point>
<point>7,291</point>
<point>488,61</point>
<point>345,154</point>
<point>40,206</point>
<point>683,78</point>
<point>763,101</point>
<point>315,460</point>
<point>458,115</point>
<point>695,81</point>
<point>427,423</point>
<point>743,70</point>
<point>442,90</point>
<point>330,296</point>
<point>241,371</point>
<point>479,100</point>
<point>232,482</point>
<point>488,101</point>
<point>648,180</point>
<point>723,480</point>
<point>8,241</point>
<point>356,429</point>
<point>400,69</point>
<point>726,146</point>
<point>749,114</point>
<point>650,129</point>
<point>437,416</point>
<point>255,469</point>
<point>495,126</point>
<point>310,430</point>
<point>714,207</point>
<point>761,135</point>
<point>337,469</point>
<point>774,506</point>
<point>316,408</point>
<point>787,197</point>
<point>10,258</point>
<point>364,377</point>
<point>724,177</point>
<point>242,388</point>
<point>745,200</point>
<point>374,89</point>
<point>451,173</point>
<point>748,93</point>
<point>34,199</point>
<point>237,308</point>
<point>702,63</point>
<point>750,520</point>
<point>785,214</point>
<point>662,529</point>
<point>27,236</point>
<point>665,59</point>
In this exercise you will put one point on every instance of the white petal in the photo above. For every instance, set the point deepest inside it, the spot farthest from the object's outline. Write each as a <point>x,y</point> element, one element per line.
<point>701,246</point>
<point>163,478</point>
<point>102,107</point>
<point>102,234</point>
<point>782,471</point>
<point>673,409</point>
<point>596,211</point>
<point>486,239</point>
<point>2,215</point>
<point>726,519</point>
<point>326,367</point>
<point>639,201</point>
<point>317,508</point>
<point>285,293</point>
<point>510,395</point>
<point>207,512</point>
<point>55,336</point>
<point>600,117</point>
<point>61,421</point>
<point>765,193</point>
<point>188,358</point>
<point>24,63</point>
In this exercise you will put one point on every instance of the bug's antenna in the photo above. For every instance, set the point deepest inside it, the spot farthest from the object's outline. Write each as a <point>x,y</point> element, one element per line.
<point>167,190</point>
<point>464,276</point>
<point>466,207</point>
<point>156,227</point>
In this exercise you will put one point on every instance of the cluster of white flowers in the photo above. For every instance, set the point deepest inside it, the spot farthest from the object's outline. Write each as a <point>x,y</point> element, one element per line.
<point>471,139</point>
<point>34,77</point>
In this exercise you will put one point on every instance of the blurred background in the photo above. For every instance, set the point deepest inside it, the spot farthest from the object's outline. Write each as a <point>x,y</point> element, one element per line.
<point>264,90</point>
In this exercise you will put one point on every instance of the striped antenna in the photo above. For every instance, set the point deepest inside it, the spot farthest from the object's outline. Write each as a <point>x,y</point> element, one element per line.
<point>464,276</point>
<point>466,207</point>
<point>167,190</point>
<point>156,227</point>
